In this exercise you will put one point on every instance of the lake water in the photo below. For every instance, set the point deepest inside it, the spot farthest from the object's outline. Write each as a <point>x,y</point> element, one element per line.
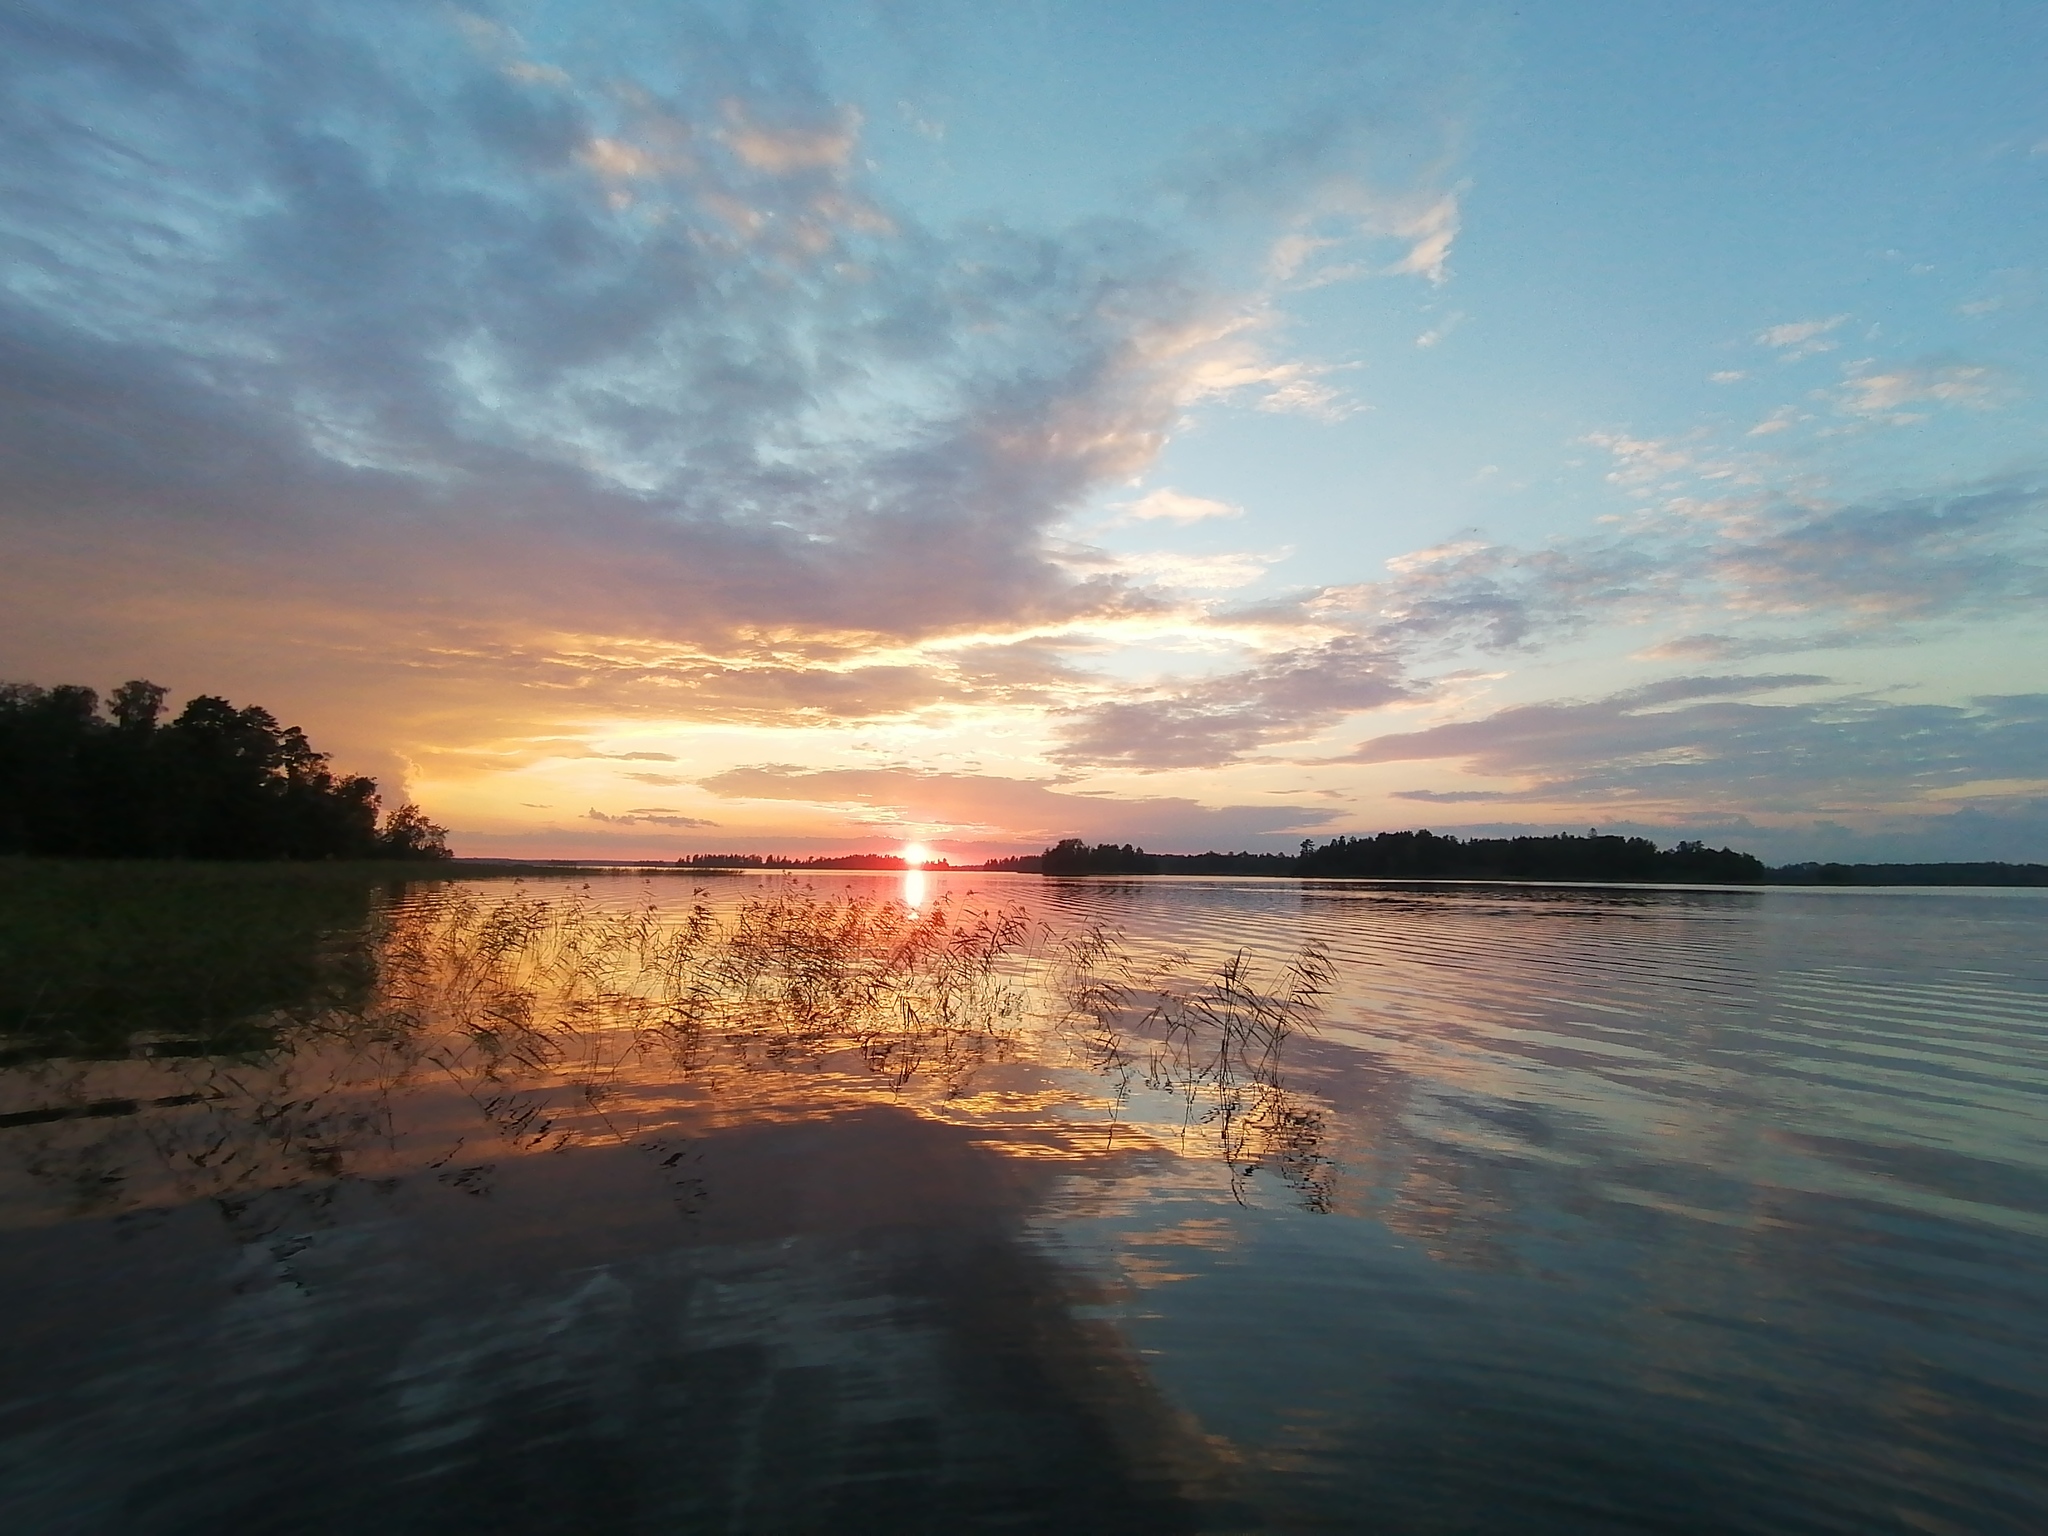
<point>1120,1205</point>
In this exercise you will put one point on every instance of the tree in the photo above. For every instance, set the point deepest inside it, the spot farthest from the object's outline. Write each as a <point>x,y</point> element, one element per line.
<point>408,834</point>
<point>218,782</point>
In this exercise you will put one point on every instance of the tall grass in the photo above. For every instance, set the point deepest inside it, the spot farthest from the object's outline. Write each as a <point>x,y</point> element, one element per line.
<point>561,1019</point>
<point>1214,1041</point>
<point>540,983</point>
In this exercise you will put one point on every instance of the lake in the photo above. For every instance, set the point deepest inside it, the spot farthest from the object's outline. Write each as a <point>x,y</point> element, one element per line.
<point>950,1202</point>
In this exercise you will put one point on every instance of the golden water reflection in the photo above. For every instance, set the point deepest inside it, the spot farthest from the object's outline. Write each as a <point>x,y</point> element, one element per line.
<point>1659,1202</point>
<point>538,1022</point>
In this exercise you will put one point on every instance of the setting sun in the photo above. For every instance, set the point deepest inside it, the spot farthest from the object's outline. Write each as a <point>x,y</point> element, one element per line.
<point>915,854</point>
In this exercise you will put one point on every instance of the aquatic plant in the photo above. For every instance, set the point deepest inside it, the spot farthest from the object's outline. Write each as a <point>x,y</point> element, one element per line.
<point>565,1020</point>
<point>1215,1041</point>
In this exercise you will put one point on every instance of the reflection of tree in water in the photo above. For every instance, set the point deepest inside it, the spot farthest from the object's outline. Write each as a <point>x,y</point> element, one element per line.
<point>561,1023</point>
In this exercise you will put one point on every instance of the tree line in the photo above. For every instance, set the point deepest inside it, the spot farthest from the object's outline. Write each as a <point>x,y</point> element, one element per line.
<point>81,781</point>
<point>1427,855</point>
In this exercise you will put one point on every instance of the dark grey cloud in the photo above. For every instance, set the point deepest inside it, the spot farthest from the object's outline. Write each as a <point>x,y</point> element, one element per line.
<point>1706,744</point>
<point>1792,575</point>
<point>1876,563</point>
<point>1216,720</point>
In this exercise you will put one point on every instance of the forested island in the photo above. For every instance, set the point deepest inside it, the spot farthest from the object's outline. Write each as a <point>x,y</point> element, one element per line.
<point>81,781</point>
<point>1427,855</point>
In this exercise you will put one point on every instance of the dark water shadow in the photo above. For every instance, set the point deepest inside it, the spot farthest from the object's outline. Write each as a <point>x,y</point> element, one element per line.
<point>839,1326</point>
<point>116,957</point>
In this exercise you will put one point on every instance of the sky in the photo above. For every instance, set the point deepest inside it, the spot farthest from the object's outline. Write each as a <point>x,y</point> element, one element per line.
<point>648,428</point>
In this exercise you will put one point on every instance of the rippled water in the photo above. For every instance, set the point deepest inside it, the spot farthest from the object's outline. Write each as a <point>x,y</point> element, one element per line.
<point>1568,1210</point>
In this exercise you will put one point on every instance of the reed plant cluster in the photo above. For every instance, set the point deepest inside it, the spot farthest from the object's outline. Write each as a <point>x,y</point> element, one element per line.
<point>568,1021</point>
<point>1215,1041</point>
<point>558,984</point>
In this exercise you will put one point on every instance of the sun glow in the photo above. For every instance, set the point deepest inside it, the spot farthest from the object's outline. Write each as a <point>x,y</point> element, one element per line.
<point>916,855</point>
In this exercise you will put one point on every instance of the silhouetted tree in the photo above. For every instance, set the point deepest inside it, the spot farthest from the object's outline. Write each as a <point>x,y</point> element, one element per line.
<point>1425,855</point>
<point>1071,856</point>
<point>218,782</point>
<point>408,834</point>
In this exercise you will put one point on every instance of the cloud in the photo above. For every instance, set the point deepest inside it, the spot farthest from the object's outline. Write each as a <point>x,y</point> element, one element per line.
<point>654,816</point>
<point>1853,571</point>
<point>1436,333</point>
<point>1800,339</point>
<point>1283,697</point>
<point>1347,214</point>
<point>1783,419</point>
<point>1702,744</point>
<point>785,148</point>
<point>442,384</point>
<point>1640,461</point>
<point>967,805</point>
<point>1883,394</point>
<point>1217,572</point>
<point>1772,575</point>
<point>1169,505</point>
<point>375,327</point>
<point>1876,564</point>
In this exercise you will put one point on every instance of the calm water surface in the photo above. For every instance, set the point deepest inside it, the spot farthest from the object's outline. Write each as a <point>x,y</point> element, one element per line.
<point>1554,1209</point>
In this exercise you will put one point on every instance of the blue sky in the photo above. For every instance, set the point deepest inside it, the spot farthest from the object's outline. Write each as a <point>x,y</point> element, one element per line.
<point>647,428</point>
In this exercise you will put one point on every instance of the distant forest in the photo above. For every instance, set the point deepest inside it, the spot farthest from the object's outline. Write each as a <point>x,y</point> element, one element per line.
<point>1428,856</point>
<point>1566,856</point>
<point>217,782</point>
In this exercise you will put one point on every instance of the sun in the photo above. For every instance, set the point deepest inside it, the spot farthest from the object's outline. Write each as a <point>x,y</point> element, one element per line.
<point>915,854</point>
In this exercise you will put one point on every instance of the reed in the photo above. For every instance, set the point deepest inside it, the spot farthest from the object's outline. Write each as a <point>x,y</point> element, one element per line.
<point>1213,1041</point>
<point>555,1015</point>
